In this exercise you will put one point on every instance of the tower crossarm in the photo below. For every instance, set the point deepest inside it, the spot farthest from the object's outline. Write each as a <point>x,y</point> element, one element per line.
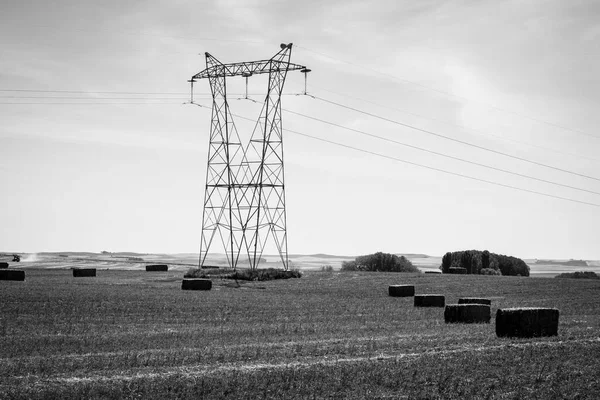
<point>247,68</point>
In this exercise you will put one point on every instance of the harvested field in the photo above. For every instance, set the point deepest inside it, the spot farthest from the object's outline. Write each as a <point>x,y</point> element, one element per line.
<point>329,335</point>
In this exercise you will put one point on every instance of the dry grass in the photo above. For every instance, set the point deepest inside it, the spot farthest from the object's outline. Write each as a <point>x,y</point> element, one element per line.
<point>128,334</point>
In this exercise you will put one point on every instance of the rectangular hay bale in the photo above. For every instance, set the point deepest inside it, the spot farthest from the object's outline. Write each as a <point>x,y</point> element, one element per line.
<point>12,275</point>
<point>467,313</point>
<point>84,272</point>
<point>196,284</point>
<point>474,300</point>
<point>401,290</point>
<point>157,268</point>
<point>430,300</point>
<point>527,322</point>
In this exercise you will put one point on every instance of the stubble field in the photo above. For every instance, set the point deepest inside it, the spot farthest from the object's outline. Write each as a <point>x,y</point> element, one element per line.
<point>134,334</point>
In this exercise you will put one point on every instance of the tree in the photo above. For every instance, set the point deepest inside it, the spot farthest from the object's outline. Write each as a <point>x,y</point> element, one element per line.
<point>446,262</point>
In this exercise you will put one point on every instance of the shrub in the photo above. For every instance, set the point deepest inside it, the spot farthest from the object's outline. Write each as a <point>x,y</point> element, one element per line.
<point>326,268</point>
<point>380,262</point>
<point>349,266</point>
<point>579,275</point>
<point>3,265</point>
<point>266,274</point>
<point>196,273</point>
<point>489,271</point>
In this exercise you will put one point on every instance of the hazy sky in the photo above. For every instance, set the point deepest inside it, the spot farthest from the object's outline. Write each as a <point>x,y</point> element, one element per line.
<point>98,151</point>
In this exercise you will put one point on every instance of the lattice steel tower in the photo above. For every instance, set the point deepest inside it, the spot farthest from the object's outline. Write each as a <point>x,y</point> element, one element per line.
<point>244,203</point>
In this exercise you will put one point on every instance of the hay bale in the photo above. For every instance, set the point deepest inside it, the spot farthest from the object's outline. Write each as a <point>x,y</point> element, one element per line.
<point>157,268</point>
<point>527,322</point>
<point>401,290</point>
<point>467,313</point>
<point>196,284</point>
<point>474,300</point>
<point>457,270</point>
<point>12,275</point>
<point>84,272</point>
<point>434,272</point>
<point>430,300</point>
<point>3,265</point>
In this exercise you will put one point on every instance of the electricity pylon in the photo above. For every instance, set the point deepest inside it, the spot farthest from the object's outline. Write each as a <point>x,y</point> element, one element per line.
<point>244,202</point>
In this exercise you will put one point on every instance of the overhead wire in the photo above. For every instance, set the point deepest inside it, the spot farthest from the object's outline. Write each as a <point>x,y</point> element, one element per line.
<point>438,153</point>
<point>537,146</point>
<point>450,94</point>
<point>453,139</point>
<point>417,164</point>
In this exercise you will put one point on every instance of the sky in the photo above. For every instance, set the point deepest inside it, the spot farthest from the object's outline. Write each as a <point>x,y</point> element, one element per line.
<point>100,152</point>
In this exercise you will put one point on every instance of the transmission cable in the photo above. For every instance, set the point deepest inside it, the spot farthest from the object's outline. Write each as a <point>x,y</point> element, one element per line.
<point>461,126</point>
<point>437,153</point>
<point>453,139</point>
<point>417,164</point>
<point>449,94</point>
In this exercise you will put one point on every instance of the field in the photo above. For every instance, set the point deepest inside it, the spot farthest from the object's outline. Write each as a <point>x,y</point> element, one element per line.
<point>133,334</point>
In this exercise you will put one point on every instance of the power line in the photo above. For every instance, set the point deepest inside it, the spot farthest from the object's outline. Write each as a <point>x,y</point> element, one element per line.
<point>440,154</point>
<point>453,139</point>
<point>88,103</point>
<point>449,94</point>
<point>93,92</point>
<point>419,165</point>
<point>462,126</point>
<point>94,98</point>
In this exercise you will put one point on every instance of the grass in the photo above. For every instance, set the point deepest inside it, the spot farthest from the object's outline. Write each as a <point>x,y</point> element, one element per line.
<point>130,335</point>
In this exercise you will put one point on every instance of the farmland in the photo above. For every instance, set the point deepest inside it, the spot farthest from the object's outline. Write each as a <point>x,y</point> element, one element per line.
<point>132,334</point>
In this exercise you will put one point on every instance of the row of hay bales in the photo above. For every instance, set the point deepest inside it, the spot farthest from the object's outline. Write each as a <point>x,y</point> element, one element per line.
<point>7,274</point>
<point>510,322</point>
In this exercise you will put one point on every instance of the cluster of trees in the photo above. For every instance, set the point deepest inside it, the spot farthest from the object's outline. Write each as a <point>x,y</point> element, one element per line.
<point>382,262</point>
<point>481,262</point>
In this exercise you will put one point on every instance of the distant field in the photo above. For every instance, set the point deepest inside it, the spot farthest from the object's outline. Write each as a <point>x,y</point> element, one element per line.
<point>132,334</point>
<point>184,261</point>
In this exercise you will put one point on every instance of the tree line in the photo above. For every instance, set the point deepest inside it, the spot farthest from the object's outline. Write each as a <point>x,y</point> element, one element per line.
<point>485,263</point>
